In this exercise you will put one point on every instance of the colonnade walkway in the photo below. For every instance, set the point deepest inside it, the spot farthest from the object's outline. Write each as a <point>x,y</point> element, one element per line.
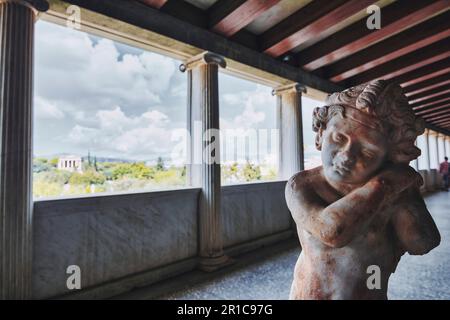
<point>416,277</point>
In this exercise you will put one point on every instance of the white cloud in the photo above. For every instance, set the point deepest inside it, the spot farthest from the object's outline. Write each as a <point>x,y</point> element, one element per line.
<point>46,110</point>
<point>74,68</point>
<point>139,137</point>
<point>256,105</point>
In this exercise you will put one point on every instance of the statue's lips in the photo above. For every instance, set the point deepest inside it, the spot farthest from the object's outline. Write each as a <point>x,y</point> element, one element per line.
<point>341,170</point>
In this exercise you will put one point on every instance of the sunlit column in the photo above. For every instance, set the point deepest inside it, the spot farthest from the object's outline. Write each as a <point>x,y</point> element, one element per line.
<point>436,142</point>
<point>289,124</point>
<point>427,149</point>
<point>447,146</point>
<point>415,162</point>
<point>17,20</point>
<point>441,147</point>
<point>204,170</point>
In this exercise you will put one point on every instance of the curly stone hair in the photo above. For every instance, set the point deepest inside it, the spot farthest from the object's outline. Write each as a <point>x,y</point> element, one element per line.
<point>387,103</point>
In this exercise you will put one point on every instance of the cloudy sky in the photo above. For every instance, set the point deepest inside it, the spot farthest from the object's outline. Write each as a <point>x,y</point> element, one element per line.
<point>118,101</point>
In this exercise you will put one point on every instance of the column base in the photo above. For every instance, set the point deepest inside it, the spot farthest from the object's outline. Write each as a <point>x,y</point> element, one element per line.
<point>210,264</point>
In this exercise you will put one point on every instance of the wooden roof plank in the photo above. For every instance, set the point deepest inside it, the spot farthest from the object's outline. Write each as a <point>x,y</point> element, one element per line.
<point>395,17</point>
<point>433,114</point>
<point>419,36</point>
<point>308,23</point>
<point>406,63</point>
<point>426,84</point>
<point>444,98</point>
<point>430,92</point>
<point>440,107</point>
<point>157,4</point>
<point>435,93</point>
<point>227,17</point>
<point>438,66</point>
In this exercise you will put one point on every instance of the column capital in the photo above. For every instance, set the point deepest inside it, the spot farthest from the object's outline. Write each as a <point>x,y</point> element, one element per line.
<point>433,133</point>
<point>35,5</point>
<point>202,59</point>
<point>289,88</point>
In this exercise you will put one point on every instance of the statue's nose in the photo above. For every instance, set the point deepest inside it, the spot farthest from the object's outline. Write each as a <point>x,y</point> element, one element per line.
<point>346,159</point>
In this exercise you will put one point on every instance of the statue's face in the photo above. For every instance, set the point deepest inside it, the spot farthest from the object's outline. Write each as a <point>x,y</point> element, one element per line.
<point>351,151</point>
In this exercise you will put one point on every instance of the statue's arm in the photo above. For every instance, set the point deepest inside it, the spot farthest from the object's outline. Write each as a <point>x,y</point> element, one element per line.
<point>336,224</point>
<point>414,226</point>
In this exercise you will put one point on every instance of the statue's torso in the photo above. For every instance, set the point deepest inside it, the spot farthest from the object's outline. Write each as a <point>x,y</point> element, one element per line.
<point>323,272</point>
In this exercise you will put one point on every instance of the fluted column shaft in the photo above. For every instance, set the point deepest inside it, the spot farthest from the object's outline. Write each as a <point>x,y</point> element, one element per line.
<point>204,168</point>
<point>289,123</point>
<point>16,115</point>
<point>427,149</point>
<point>441,147</point>
<point>447,146</point>
<point>436,141</point>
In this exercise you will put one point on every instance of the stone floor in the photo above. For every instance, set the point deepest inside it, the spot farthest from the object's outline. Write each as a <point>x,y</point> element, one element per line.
<point>417,277</point>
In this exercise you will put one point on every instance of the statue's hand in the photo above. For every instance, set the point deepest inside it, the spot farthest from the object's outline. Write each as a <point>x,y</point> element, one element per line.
<point>398,177</point>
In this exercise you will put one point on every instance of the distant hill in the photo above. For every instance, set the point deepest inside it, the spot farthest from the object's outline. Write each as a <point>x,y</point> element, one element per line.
<point>102,159</point>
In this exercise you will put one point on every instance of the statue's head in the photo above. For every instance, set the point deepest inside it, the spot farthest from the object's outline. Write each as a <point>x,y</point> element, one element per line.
<point>363,128</point>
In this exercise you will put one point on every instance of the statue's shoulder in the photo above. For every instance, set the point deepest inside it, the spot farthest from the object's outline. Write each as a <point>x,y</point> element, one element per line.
<point>304,179</point>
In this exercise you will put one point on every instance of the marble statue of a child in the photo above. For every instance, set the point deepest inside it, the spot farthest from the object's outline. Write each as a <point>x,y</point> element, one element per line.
<point>362,207</point>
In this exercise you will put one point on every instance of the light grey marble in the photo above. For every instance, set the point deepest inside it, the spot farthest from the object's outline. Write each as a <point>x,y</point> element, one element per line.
<point>110,237</point>
<point>250,211</point>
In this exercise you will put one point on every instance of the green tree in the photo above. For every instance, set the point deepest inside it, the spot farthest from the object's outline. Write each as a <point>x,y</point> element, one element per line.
<point>87,178</point>
<point>160,164</point>
<point>41,165</point>
<point>134,171</point>
<point>54,162</point>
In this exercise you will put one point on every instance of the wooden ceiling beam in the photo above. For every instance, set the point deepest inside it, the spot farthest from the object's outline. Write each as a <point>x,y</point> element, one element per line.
<point>427,84</point>
<point>427,76</point>
<point>429,93</point>
<point>308,23</point>
<point>157,4</point>
<point>227,17</point>
<point>439,120</point>
<point>432,104</point>
<point>417,74</point>
<point>403,64</point>
<point>446,125</point>
<point>439,113</point>
<point>419,36</point>
<point>437,128</point>
<point>440,107</point>
<point>394,17</point>
<point>427,102</point>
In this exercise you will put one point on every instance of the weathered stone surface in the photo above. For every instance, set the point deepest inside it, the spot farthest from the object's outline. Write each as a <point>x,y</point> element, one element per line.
<point>110,237</point>
<point>362,210</point>
<point>251,211</point>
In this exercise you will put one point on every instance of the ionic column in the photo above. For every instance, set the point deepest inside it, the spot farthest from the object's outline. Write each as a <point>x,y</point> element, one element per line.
<point>204,168</point>
<point>436,141</point>
<point>17,18</point>
<point>427,149</point>
<point>289,124</point>
<point>444,142</point>
<point>447,146</point>
<point>441,147</point>
<point>415,162</point>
